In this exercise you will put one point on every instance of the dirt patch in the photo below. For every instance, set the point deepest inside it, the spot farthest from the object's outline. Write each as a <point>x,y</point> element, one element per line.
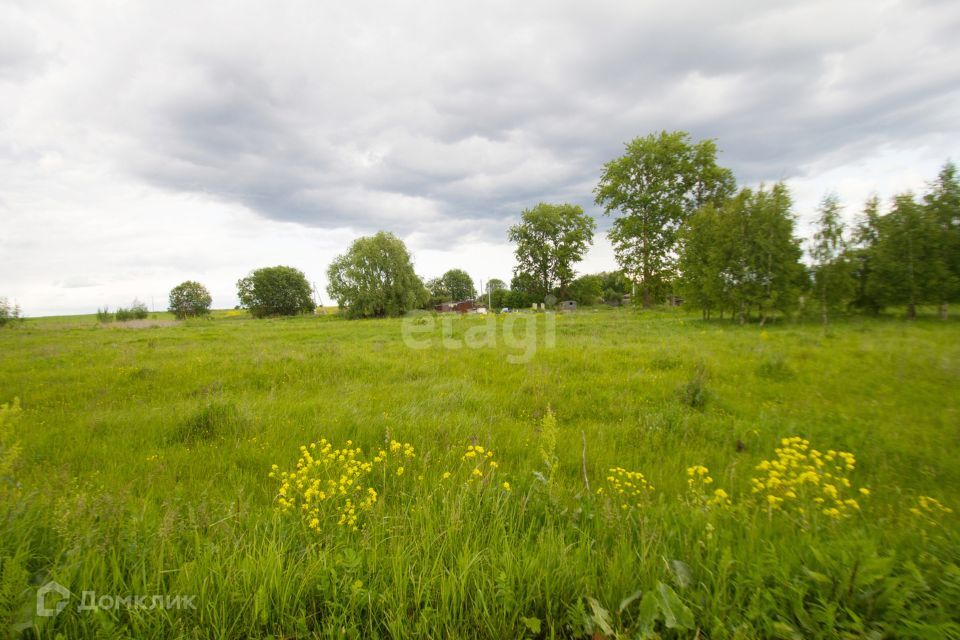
<point>144,324</point>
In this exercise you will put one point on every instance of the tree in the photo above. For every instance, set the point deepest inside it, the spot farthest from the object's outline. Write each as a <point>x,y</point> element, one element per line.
<point>654,187</point>
<point>375,278</point>
<point>459,285</point>
<point>494,284</point>
<point>743,255</point>
<point>8,313</point>
<point>832,281</point>
<point>550,239</point>
<point>905,257</point>
<point>587,290</point>
<point>275,291</point>
<point>862,257</point>
<point>189,299</point>
<point>437,292</point>
<point>942,204</point>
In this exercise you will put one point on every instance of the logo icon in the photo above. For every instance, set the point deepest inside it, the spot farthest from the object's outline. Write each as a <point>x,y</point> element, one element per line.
<point>58,604</point>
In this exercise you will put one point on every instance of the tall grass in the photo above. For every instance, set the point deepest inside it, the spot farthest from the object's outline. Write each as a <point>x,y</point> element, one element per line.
<point>145,458</point>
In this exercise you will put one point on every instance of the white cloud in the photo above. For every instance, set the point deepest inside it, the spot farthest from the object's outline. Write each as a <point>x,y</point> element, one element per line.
<point>141,144</point>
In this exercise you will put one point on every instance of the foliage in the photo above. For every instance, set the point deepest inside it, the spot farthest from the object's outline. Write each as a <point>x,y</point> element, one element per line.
<point>832,271</point>
<point>494,284</point>
<point>104,315</point>
<point>8,313</point>
<point>911,255</point>
<point>190,299</point>
<point>550,239</point>
<point>653,188</point>
<point>275,291</point>
<point>743,256</point>
<point>437,292</point>
<point>375,278</point>
<point>587,290</point>
<point>459,285</point>
<point>136,311</point>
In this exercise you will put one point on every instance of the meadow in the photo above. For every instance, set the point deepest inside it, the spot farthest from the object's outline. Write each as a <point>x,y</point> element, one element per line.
<point>649,474</point>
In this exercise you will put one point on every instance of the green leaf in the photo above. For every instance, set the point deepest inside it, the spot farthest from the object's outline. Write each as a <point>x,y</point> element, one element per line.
<point>675,613</point>
<point>649,612</point>
<point>817,576</point>
<point>626,602</point>
<point>681,573</point>
<point>600,617</point>
<point>532,624</point>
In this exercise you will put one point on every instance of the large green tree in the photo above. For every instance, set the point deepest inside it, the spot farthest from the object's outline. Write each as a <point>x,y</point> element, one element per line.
<point>743,256</point>
<point>275,291</point>
<point>190,299</point>
<point>459,285</point>
<point>652,189</point>
<point>905,256</point>
<point>375,278</point>
<point>550,239</point>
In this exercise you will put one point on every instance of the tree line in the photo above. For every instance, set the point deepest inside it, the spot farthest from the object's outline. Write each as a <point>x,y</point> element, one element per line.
<point>682,231</point>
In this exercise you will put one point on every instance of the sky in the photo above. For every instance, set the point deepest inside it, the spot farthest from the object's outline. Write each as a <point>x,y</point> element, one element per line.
<point>147,143</point>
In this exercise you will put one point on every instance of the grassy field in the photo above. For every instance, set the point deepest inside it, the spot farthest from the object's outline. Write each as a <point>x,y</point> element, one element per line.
<point>146,468</point>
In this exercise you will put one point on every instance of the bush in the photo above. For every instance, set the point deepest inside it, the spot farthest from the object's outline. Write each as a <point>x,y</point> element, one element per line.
<point>8,313</point>
<point>137,311</point>
<point>275,291</point>
<point>104,315</point>
<point>190,300</point>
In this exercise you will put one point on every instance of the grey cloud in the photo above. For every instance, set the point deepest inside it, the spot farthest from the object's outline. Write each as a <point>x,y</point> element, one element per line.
<point>442,119</point>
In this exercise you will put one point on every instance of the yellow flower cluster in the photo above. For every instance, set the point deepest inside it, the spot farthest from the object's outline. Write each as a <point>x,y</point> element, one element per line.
<point>808,480</point>
<point>334,484</point>
<point>629,487</point>
<point>698,481</point>
<point>482,460</point>
<point>929,510</point>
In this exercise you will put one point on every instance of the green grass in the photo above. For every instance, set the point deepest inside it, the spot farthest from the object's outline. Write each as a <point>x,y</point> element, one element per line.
<point>146,454</point>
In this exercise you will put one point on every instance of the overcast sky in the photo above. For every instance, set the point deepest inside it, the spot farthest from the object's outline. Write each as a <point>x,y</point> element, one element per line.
<point>142,144</point>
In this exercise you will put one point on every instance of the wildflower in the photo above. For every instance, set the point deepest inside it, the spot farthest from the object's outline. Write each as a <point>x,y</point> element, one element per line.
<point>399,471</point>
<point>506,486</point>
<point>446,474</point>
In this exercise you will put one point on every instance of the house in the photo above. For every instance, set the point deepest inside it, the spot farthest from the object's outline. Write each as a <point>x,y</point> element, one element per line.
<point>568,305</point>
<point>444,307</point>
<point>464,306</point>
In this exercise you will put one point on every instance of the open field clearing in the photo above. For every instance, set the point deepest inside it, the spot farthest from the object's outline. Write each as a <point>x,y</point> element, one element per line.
<point>147,455</point>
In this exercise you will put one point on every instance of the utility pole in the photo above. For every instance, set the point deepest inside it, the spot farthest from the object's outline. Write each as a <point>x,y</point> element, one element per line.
<point>317,301</point>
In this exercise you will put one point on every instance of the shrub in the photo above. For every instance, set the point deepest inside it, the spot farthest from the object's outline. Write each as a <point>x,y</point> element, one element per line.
<point>137,311</point>
<point>190,299</point>
<point>275,291</point>
<point>8,313</point>
<point>104,315</point>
